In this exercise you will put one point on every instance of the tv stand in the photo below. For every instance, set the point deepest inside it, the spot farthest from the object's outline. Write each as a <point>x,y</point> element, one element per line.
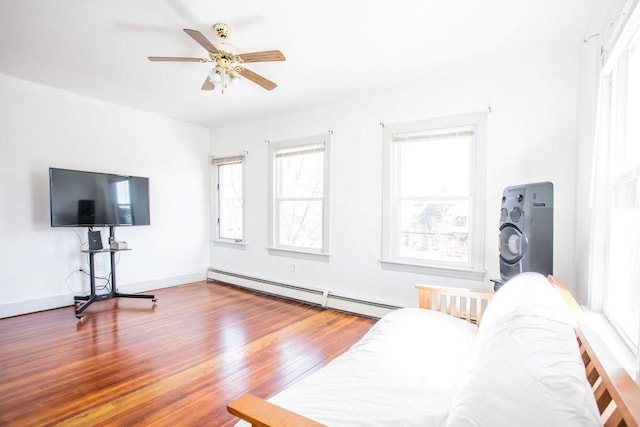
<point>84,301</point>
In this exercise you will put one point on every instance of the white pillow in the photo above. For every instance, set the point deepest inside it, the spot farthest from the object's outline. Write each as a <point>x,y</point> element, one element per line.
<point>526,369</point>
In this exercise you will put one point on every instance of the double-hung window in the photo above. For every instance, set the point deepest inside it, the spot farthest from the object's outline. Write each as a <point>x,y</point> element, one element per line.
<point>300,195</point>
<point>228,219</point>
<point>433,210</point>
<point>616,234</point>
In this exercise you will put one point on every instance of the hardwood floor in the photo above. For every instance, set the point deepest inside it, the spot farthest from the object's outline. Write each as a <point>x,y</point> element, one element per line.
<point>177,363</point>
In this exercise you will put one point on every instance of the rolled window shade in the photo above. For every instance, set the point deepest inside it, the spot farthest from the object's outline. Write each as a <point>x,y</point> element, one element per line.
<point>300,150</point>
<point>434,134</point>
<point>221,160</point>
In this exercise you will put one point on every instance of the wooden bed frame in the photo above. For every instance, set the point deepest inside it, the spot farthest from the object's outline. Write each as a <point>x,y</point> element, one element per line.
<point>617,395</point>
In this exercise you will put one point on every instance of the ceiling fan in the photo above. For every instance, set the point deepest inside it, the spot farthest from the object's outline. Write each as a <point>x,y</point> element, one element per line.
<point>228,65</point>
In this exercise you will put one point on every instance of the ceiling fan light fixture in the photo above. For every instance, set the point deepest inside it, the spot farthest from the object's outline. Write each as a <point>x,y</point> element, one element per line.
<point>217,74</point>
<point>234,78</point>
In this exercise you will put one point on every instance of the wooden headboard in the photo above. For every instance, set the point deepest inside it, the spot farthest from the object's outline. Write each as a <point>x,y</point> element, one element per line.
<point>452,301</point>
<point>617,395</point>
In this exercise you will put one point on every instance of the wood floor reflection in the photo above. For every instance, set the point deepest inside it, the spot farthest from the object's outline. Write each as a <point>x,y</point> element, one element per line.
<point>177,363</point>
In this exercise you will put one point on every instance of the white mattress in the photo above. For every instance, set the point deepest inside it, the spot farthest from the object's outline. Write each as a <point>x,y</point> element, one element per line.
<point>403,372</point>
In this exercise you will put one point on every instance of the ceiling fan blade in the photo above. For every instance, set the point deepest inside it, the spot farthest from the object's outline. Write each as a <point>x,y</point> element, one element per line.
<point>256,78</point>
<point>176,59</point>
<point>268,55</point>
<point>208,84</point>
<point>202,40</point>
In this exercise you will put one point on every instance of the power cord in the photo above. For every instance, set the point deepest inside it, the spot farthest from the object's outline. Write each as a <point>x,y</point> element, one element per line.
<point>105,286</point>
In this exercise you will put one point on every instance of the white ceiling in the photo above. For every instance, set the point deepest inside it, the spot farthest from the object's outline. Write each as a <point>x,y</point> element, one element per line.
<point>334,49</point>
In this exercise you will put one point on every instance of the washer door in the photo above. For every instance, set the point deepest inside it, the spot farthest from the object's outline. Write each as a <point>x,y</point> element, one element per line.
<point>513,244</point>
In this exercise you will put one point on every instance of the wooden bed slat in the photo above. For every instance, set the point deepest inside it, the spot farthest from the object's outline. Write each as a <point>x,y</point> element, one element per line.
<point>614,419</point>
<point>592,374</point>
<point>603,398</point>
<point>623,392</point>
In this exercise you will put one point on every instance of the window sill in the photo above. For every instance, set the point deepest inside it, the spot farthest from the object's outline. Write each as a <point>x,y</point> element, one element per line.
<point>598,324</point>
<point>292,253</point>
<point>453,272</point>
<point>229,244</point>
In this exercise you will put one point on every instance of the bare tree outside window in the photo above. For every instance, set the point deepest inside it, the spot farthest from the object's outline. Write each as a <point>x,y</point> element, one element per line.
<point>300,197</point>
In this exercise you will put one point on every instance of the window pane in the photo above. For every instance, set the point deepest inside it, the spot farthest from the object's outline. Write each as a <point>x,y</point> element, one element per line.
<point>230,201</point>
<point>435,167</point>
<point>623,290</point>
<point>436,231</point>
<point>300,175</point>
<point>622,302</point>
<point>631,148</point>
<point>300,224</point>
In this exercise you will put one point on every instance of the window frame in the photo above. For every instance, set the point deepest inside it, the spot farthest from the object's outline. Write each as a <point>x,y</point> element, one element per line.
<point>216,238</point>
<point>619,175</point>
<point>297,251</point>
<point>606,175</point>
<point>474,269</point>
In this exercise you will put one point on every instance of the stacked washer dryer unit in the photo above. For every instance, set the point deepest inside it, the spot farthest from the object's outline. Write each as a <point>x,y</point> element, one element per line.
<point>526,230</point>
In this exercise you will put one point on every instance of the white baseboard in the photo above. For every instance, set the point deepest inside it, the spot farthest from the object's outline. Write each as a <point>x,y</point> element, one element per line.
<point>31,306</point>
<point>58,301</point>
<point>166,282</point>
<point>315,296</point>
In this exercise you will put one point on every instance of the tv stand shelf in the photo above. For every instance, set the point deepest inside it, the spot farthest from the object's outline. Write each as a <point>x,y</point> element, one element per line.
<point>84,301</point>
<point>103,251</point>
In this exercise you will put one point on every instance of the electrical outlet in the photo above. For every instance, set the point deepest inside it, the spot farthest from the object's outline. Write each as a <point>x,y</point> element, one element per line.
<point>78,267</point>
<point>293,268</point>
<point>99,265</point>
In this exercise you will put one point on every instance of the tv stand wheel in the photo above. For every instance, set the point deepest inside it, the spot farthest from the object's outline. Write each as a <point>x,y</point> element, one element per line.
<point>154,300</point>
<point>80,317</point>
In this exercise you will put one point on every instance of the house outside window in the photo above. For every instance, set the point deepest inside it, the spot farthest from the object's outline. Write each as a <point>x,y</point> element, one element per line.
<point>228,219</point>
<point>300,195</point>
<point>434,186</point>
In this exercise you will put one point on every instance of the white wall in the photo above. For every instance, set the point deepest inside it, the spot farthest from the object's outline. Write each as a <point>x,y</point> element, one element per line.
<point>531,137</point>
<point>43,127</point>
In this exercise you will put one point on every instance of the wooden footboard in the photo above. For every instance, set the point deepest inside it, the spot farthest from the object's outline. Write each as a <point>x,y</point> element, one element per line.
<point>261,413</point>
<point>617,395</point>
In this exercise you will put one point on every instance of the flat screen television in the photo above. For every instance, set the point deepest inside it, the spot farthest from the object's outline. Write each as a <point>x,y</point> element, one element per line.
<point>93,199</point>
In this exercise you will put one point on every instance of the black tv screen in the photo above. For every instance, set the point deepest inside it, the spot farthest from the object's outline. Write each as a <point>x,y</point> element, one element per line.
<point>92,199</point>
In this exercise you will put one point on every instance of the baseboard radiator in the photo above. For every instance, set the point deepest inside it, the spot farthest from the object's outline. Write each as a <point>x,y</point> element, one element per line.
<point>315,296</point>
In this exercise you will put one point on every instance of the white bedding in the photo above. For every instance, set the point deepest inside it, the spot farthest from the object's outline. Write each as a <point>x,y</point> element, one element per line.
<point>526,369</point>
<point>402,373</point>
<point>419,367</point>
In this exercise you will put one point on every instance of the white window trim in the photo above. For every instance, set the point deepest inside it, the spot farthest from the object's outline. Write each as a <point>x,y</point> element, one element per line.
<point>296,252</point>
<point>624,33</point>
<point>476,268</point>
<point>215,229</point>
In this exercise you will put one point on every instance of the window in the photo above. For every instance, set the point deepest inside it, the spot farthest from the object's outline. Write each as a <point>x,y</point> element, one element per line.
<point>433,211</point>
<point>299,195</point>
<point>228,199</point>
<point>617,186</point>
<point>123,212</point>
